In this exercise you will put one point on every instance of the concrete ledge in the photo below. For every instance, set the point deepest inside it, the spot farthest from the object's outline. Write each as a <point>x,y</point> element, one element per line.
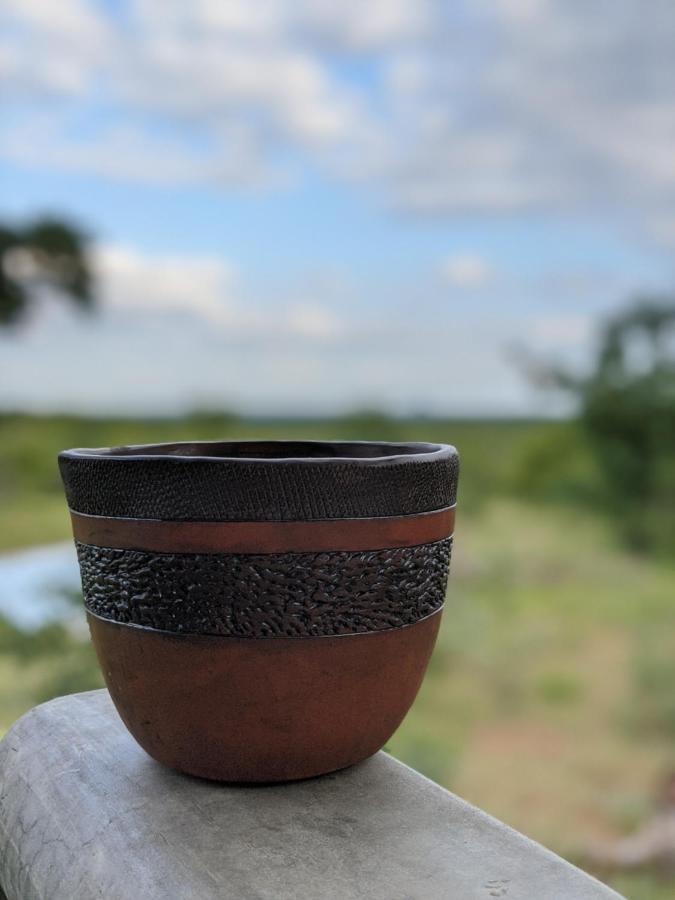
<point>84,813</point>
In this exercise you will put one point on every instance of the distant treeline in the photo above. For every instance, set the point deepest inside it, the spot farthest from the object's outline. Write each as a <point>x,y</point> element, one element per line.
<point>538,461</point>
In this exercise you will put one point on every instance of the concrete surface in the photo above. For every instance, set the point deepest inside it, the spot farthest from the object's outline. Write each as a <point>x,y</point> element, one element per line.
<point>85,814</point>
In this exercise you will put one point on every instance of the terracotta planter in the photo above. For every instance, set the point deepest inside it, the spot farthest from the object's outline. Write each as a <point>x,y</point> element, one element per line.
<point>263,611</point>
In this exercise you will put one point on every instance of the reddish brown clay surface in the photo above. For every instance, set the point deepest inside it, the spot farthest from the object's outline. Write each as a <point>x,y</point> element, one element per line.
<point>263,537</point>
<point>272,709</point>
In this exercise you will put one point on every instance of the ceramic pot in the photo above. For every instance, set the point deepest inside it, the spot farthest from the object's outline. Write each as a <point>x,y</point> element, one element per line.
<point>263,611</point>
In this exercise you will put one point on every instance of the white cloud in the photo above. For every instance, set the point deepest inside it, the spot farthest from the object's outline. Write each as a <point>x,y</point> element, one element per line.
<point>52,48</point>
<point>662,228</point>
<point>204,290</point>
<point>553,106</point>
<point>560,331</point>
<point>483,107</point>
<point>220,82</point>
<point>235,80</point>
<point>75,21</point>
<point>160,284</point>
<point>314,321</point>
<point>133,154</point>
<point>465,270</point>
<point>355,26</point>
<point>174,332</point>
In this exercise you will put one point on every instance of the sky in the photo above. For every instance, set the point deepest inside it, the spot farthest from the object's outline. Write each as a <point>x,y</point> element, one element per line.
<point>311,207</point>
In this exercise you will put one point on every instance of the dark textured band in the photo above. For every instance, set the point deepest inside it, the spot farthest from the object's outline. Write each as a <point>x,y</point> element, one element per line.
<point>263,537</point>
<point>208,489</point>
<point>266,595</point>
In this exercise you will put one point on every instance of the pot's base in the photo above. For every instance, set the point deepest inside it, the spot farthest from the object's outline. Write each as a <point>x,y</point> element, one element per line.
<point>267,709</point>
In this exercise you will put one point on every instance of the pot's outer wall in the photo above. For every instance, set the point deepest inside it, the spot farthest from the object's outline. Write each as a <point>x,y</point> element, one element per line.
<point>257,665</point>
<point>237,709</point>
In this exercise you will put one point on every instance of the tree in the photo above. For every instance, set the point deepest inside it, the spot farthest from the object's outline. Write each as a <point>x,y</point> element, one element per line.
<point>46,253</point>
<point>627,408</point>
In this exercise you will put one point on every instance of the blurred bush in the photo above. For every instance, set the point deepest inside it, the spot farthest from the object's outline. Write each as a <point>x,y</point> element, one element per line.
<point>558,465</point>
<point>627,416</point>
<point>46,253</point>
<point>628,412</point>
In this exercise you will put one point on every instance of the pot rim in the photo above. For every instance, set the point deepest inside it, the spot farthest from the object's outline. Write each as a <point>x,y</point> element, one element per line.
<point>334,452</point>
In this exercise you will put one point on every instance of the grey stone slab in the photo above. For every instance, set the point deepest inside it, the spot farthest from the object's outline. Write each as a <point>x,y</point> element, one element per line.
<point>84,813</point>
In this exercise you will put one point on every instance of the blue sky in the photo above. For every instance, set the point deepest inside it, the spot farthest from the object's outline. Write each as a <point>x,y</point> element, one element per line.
<point>310,207</point>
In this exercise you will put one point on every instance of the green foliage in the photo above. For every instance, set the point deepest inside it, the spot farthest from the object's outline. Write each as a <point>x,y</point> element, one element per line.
<point>76,671</point>
<point>370,425</point>
<point>627,408</point>
<point>46,253</point>
<point>557,465</point>
<point>25,646</point>
<point>38,665</point>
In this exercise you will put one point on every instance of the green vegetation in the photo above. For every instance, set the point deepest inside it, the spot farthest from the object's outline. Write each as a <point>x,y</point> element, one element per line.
<point>627,408</point>
<point>36,666</point>
<point>549,699</point>
<point>45,253</point>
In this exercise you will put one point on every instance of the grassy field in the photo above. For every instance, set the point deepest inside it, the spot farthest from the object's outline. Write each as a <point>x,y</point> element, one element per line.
<point>549,701</point>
